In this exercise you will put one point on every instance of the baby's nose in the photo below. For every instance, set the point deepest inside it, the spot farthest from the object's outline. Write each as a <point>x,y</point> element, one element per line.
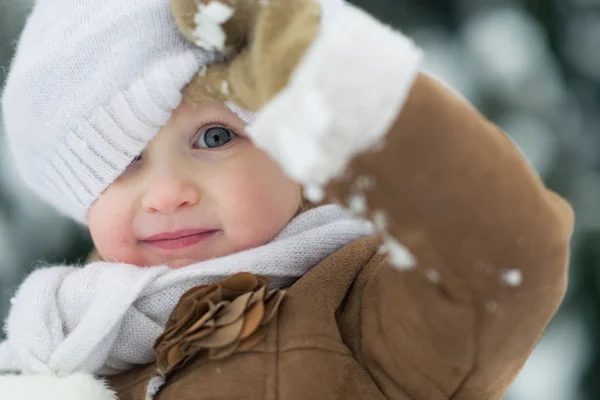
<point>169,193</point>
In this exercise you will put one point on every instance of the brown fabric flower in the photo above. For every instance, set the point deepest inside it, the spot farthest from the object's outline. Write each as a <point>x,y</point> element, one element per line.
<point>217,319</point>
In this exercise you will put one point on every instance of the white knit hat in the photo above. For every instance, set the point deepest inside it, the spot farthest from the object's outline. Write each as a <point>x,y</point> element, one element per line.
<point>91,84</point>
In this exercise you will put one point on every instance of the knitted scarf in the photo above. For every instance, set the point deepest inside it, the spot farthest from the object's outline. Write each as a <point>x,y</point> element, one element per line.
<point>103,318</point>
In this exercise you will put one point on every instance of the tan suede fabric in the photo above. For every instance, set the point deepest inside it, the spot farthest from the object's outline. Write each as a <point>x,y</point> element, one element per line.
<point>460,196</point>
<point>265,40</point>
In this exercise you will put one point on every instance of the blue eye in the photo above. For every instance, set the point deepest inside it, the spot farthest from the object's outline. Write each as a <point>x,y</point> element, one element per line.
<point>214,137</point>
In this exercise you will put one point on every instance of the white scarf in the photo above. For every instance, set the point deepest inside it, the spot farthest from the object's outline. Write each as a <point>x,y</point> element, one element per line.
<point>104,318</point>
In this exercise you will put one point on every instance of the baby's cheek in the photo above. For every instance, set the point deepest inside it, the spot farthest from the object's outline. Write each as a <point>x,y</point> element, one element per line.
<point>112,243</point>
<point>246,195</point>
<point>265,202</point>
<point>111,231</point>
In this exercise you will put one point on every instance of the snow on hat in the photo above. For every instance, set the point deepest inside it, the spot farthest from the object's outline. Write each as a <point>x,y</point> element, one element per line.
<point>92,82</point>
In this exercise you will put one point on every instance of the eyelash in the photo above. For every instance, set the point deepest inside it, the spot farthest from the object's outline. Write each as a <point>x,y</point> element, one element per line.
<point>218,122</point>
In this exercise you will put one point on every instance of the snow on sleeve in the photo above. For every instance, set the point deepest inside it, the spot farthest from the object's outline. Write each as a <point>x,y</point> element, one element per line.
<point>357,203</point>
<point>314,193</point>
<point>400,256</point>
<point>154,385</point>
<point>512,277</point>
<point>433,275</point>
<point>208,32</point>
<point>339,102</point>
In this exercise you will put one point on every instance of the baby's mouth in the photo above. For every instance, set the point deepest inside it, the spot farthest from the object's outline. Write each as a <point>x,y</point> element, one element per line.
<point>179,239</point>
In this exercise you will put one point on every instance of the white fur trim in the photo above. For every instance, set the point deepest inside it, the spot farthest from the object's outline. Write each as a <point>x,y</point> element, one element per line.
<point>341,100</point>
<point>37,387</point>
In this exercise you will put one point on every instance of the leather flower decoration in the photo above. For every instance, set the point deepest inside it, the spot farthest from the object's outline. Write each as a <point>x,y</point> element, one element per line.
<point>217,319</point>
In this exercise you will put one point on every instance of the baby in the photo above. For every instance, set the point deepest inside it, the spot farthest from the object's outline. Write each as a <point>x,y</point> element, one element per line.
<point>199,190</point>
<point>282,206</point>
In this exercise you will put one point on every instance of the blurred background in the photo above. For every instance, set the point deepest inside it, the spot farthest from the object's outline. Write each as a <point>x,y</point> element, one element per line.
<point>531,66</point>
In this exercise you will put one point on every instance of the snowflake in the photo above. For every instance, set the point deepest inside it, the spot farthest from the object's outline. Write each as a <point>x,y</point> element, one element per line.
<point>512,277</point>
<point>314,193</point>
<point>433,275</point>
<point>357,203</point>
<point>364,182</point>
<point>380,220</point>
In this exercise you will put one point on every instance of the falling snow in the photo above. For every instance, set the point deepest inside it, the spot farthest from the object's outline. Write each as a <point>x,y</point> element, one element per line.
<point>357,203</point>
<point>364,182</point>
<point>512,277</point>
<point>380,220</point>
<point>314,193</point>
<point>433,275</point>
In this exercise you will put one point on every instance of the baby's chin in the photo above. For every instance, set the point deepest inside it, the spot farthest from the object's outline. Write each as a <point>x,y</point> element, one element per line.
<point>139,259</point>
<point>174,262</point>
<point>180,263</point>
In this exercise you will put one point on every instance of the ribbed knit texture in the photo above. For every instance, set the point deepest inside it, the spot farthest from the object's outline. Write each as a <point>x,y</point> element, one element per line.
<point>91,84</point>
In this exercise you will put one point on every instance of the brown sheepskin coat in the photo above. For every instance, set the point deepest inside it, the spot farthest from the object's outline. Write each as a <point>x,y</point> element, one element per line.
<point>491,244</point>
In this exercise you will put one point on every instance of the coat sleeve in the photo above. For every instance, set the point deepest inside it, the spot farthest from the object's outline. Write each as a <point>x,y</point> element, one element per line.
<point>490,245</point>
<point>489,241</point>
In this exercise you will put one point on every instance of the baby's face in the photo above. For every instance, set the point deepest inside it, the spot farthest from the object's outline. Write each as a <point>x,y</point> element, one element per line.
<point>199,190</point>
